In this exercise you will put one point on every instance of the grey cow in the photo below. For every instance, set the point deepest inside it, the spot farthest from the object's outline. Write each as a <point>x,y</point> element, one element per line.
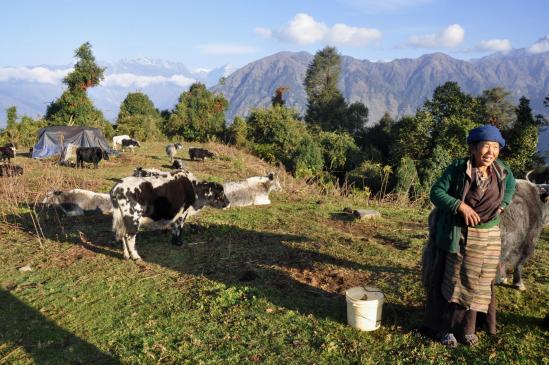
<point>521,225</point>
<point>171,150</point>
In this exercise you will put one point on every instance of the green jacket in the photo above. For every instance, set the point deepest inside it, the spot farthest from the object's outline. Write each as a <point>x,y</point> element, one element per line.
<point>449,191</point>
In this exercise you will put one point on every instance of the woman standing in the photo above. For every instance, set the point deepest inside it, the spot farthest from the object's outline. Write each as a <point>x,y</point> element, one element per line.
<point>465,240</point>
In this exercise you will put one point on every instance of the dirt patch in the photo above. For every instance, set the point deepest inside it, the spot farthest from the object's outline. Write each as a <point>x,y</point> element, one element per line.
<point>328,279</point>
<point>68,257</point>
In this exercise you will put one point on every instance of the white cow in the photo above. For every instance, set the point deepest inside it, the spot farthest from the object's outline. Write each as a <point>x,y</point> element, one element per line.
<point>252,191</point>
<point>118,140</point>
<point>76,202</point>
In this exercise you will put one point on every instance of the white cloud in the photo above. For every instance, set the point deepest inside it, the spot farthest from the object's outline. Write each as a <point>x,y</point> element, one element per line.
<point>128,79</point>
<point>346,35</point>
<point>540,46</point>
<point>263,32</point>
<point>219,48</point>
<point>40,75</point>
<point>449,37</point>
<point>303,29</point>
<point>494,45</point>
<point>383,6</point>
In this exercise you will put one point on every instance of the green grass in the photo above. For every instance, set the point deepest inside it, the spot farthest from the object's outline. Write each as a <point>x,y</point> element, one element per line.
<point>252,285</point>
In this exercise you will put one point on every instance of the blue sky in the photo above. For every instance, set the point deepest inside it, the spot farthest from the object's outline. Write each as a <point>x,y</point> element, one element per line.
<point>207,34</point>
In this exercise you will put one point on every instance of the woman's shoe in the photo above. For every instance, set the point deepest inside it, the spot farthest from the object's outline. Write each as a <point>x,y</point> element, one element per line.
<point>469,340</point>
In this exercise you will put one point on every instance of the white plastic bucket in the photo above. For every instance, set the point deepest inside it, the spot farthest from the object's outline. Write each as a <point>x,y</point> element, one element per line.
<point>364,306</point>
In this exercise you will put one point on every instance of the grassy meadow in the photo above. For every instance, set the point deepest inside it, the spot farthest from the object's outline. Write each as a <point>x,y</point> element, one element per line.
<point>251,285</point>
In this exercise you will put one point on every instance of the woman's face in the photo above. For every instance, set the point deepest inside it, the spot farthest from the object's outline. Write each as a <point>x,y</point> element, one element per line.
<point>485,153</point>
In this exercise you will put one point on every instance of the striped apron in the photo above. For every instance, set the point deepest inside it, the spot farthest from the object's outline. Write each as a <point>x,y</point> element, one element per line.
<point>470,272</point>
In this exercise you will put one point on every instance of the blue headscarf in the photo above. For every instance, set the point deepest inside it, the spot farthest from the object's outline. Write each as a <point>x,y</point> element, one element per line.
<point>486,132</point>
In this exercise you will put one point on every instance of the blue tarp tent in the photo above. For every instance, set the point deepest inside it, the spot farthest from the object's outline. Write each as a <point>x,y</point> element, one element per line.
<point>51,139</point>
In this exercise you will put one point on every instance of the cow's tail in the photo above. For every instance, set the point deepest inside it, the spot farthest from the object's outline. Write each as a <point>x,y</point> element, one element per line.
<point>118,226</point>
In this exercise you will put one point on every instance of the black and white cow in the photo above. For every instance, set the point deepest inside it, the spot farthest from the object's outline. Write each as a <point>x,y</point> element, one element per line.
<point>521,225</point>
<point>200,153</point>
<point>252,191</point>
<point>90,154</point>
<point>171,150</point>
<point>10,170</point>
<point>155,202</point>
<point>78,202</point>
<point>7,152</point>
<point>116,140</point>
<point>129,143</point>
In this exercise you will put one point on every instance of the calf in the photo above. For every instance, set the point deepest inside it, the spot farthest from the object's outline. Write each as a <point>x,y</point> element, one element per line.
<point>200,153</point>
<point>521,225</point>
<point>171,150</point>
<point>130,143</point>
<point>78,202</point>
<point>252,191</point>
<point>7,153</point>
<point>90,154</point>
<point>157,201</point>
<point>118,140</point>
<point>10,170</point>
<point>177,164</point>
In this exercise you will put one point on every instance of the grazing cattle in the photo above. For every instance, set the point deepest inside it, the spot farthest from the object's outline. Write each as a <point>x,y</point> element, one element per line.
<point>200,153</point>
<point>90,154</point>
<point>155,202</point>
<point>521,225</point>
<point>10,170</point>
<point>252,191</point>
<point>177,164</point>
<point>171,150</point>
<point>130,143</point>
<point>77,202</point>
<point>7,153</point>
<point>118,140</point>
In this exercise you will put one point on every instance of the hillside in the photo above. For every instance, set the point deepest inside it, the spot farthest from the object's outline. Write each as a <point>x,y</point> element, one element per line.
<point>250,285</point>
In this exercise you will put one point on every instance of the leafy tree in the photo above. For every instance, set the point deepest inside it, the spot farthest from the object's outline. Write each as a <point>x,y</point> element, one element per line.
<point>198,115</point>
<point>356,118</point>
<point>413,136</point>
<point>406,176</point>
<point>522,139</point>
<point>238,132</point>
<point>326,105</point>
<point>498,110</point>
<point>23,133</point>
<point>11,116</point>
<point>376,141</point>
<point>139,118</point>
<point>276,134</point>
<point>86,72</point>
<point>307,158</point>
<point>431,169</point>
<point>74,107</point>
<point>339,151</point>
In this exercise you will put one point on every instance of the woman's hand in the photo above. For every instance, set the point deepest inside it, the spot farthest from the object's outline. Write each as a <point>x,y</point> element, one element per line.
<point>471,217</point>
